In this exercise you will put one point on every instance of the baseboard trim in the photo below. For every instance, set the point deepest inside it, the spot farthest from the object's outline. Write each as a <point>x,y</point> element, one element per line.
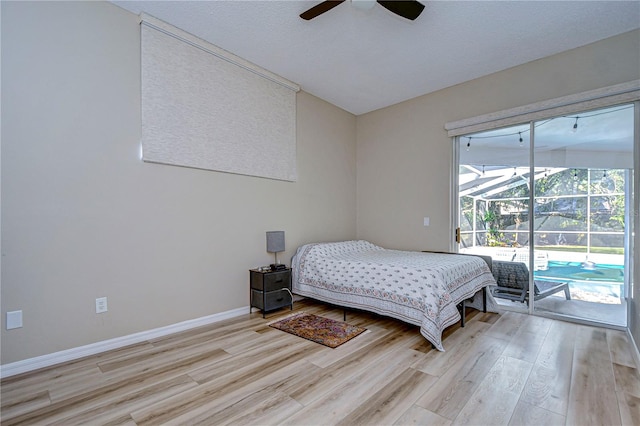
<point>48,360</point>
<point>634,347</point>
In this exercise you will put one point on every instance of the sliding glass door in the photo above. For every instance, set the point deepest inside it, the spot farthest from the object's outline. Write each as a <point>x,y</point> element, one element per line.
<point>549,201</point>
<point>581,222</point>
<point>494,169</point>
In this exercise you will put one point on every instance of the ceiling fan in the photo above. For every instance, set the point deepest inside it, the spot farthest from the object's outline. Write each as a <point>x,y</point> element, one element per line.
<point>407,9</point>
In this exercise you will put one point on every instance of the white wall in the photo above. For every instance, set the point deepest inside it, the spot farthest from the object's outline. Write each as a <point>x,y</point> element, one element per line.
<point>83,217</point>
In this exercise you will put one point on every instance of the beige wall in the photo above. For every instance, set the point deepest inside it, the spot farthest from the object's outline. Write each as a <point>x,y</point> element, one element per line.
<point>83,217</point>
<point>404,155</point>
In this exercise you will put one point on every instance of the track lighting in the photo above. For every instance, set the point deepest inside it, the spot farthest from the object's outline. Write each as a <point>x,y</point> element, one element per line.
<point>521,141</point>
<point>469,144</point>
<point>575,126</point>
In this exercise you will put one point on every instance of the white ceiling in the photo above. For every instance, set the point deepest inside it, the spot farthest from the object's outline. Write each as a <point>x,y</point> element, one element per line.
<point>363,60</point>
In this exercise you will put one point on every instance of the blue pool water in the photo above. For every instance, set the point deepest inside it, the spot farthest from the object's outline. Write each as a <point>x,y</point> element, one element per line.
<point>575,272</point>
<point>602,279</point>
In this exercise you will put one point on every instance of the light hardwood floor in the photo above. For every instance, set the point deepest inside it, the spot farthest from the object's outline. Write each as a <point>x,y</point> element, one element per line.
<point>501,369</point>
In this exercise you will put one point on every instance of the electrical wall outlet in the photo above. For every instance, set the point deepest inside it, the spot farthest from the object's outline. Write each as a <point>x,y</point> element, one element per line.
<point>101,305</point>
<point>14,320</point>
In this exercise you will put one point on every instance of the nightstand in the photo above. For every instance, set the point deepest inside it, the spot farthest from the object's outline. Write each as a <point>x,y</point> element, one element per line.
<point>270,290</point>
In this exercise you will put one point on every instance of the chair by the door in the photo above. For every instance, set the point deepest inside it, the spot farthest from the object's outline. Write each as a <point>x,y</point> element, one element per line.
<point>513,283</point>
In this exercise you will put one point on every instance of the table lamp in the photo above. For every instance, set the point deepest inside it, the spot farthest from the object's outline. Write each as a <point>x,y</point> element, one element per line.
<point>275,244</point>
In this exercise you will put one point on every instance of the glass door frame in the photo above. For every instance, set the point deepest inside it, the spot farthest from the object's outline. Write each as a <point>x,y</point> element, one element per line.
<point>454,243</point>
<point>630,193</point>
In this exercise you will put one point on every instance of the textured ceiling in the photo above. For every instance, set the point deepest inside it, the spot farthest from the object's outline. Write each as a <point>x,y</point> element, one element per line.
<point>363,60</point>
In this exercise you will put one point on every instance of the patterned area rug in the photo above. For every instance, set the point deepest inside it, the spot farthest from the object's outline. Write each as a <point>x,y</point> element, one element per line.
<point>318,329</point>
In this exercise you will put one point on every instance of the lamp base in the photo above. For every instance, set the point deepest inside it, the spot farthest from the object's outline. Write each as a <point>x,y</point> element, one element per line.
<point>278,267</point>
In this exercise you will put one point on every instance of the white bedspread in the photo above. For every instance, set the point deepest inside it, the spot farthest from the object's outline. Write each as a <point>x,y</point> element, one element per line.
<point>416,287</point>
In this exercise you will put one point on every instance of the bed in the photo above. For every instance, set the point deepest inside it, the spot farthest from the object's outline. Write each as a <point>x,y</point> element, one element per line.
<point>419,288</point>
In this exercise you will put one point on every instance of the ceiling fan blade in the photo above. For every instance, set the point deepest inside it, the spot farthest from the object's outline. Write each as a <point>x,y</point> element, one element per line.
<point>319,9</point>
<point>407,9</point>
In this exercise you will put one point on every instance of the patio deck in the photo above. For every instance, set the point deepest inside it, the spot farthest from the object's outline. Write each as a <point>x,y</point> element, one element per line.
<point>594,296</point>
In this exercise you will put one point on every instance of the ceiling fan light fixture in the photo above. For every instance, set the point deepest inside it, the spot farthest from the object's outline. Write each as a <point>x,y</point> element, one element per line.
<point>408,9</point>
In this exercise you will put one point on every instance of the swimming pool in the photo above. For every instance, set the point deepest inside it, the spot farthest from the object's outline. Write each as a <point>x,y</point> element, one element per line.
<point>601,283</point>
<point>573,271</point>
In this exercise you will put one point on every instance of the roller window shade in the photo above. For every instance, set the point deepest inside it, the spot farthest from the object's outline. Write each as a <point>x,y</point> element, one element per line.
<point>206,108</point>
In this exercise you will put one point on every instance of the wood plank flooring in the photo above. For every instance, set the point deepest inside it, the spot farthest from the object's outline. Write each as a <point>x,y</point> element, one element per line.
<point>501,369</point>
